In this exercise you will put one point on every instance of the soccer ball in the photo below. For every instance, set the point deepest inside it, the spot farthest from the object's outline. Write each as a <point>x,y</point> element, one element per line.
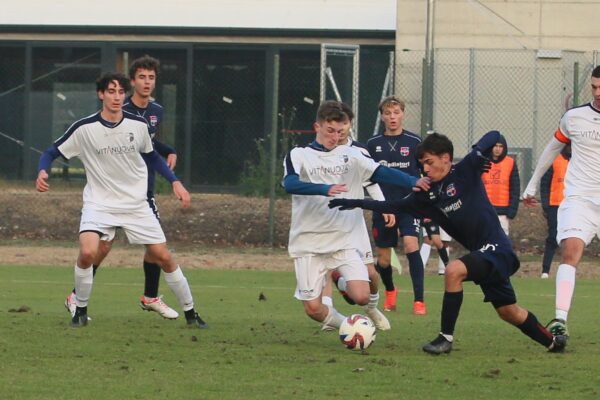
<point>357,332</point>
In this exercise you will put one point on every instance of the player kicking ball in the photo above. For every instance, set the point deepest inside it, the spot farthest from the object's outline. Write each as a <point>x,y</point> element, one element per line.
<point>114,148</point>
<point>457,201</point>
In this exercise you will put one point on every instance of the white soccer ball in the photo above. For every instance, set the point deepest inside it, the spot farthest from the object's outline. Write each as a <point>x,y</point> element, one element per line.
<point>357,332</point>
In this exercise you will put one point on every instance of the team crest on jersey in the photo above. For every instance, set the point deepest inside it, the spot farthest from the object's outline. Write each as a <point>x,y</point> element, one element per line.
<point>130,136</point>
<point>153,120</point>
<point>451,190</point>
<point>404,151</point>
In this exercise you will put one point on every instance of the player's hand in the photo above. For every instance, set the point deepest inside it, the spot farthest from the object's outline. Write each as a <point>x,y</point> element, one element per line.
<point>182,194</point>
<point>423,184</point>
<point>530,201</point>
<point>172,161</point>
<point>41,183</point>
<point>345,204</point>
<point>336,189</point>
<point>486,163</point>
<point>390,220</point>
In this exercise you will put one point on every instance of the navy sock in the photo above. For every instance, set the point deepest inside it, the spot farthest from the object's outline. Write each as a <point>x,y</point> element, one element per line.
<point>386,276</point>
<point>190,314</point>
<point>417,274</point>
<point>532,328</point>
<point>443,255</point>
<point>450,310</point>
<point>152,273</point>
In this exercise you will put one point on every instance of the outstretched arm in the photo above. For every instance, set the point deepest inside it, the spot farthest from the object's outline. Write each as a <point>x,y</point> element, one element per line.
<point>384,207</point>
<point>294,185</point>
<point>167,152</point>
<point>396,177</point>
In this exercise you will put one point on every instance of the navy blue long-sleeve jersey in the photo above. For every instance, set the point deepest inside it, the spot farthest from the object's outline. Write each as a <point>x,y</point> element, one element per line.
<point>458,203</point>
<point>398,152</point>
<point>153,115</point>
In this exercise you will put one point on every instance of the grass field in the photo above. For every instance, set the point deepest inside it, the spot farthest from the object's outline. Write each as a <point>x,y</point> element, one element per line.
<point>270,350</point>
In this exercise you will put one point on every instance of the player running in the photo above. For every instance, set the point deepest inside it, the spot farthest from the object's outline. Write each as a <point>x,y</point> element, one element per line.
<point>457,201</point>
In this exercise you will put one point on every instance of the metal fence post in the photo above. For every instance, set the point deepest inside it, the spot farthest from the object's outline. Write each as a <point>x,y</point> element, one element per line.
<point>273,151</point>
<point>575,84</point>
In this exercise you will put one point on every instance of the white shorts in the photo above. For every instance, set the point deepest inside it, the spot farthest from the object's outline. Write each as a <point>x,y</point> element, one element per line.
<point>311,270</point>
<point>140,226</point>
<point>365,250</point>
<point>578,217</point>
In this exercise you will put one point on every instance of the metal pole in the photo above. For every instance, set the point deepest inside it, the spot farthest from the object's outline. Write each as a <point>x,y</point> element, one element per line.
<point>189,79</point>
<point>575,84</point>
<point>428,75</point>
<point>273,179</point>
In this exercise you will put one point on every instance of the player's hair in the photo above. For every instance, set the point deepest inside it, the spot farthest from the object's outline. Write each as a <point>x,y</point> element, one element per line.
<point>348,110</point>
<point>331,110</point>
<point>106,79</point>
<point>436,144</point>
<point>596,72</point>
<point>391,101</point>
<point>145,62</point>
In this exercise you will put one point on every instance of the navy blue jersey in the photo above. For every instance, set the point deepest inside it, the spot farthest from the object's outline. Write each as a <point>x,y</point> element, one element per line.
<point>399,152</point>
<point>153,115</point>
<point>458,203</point>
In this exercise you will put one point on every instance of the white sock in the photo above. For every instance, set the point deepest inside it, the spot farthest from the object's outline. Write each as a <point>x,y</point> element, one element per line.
<point>84,279</point>
<point>328,301</point>
<point>373,300</point>
<point>333,318</point>
<point>179,285</point>
<point>449,338</point>
<point>425,252</point>
<point>341,284</point>
<point>565,286</point>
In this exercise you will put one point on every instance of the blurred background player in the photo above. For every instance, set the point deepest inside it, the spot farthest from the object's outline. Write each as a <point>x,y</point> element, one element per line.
<point>116,149</point>
<point>143,73</point>
<point>502,184</point>
<point>579,213</point>
<point>457,201</point>
<point>552,187</point>
<point>322,239</point>
<point>396,148</point>
<point>434,236</point>
<point>366,252</point>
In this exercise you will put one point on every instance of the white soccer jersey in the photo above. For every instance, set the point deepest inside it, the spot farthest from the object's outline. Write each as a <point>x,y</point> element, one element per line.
<point>580,126</point>
<point>117,176</point>
<point>315,228</point>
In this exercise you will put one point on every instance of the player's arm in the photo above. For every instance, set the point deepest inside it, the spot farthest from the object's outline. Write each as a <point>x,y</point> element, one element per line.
<point>293,185</point>
<point>514,186</point>
<point>156,162</point>
<point>553,148</point>
<point>396,177</point>
<point>545,184</point>
<point>167,152</point>
<point>51,154</point>
<point>376,193</point>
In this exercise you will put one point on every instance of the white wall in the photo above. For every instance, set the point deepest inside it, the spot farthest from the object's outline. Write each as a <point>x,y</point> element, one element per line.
<point>269,14</point>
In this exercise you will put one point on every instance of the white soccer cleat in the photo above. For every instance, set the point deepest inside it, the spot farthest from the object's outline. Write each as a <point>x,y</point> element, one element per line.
<point>380,321</point>
<point>328,328</point>
<point>545,275</point>
<point>71,304</point>
<point>156,304</point>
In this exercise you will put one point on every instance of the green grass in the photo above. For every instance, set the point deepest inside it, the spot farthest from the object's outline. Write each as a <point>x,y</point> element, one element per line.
<point>270,350</point>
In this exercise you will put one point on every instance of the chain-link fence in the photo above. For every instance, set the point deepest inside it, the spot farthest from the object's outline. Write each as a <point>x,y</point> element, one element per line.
<point>219,103</point>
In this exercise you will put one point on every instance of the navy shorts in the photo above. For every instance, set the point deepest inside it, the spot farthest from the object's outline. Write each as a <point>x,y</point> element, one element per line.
<point>491,268</point>
<point>406,225</point>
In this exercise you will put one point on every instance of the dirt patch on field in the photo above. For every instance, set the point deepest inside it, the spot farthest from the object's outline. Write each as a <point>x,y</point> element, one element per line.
<point>218,231</point>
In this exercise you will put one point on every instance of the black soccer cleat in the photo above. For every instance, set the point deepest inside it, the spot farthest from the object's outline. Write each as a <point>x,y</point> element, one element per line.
<point>197,322</point>
<point>335,277</point>
<point>558,327</point>
<point>80,319</point>
<point>438,345</point>
<point>558,344</point>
